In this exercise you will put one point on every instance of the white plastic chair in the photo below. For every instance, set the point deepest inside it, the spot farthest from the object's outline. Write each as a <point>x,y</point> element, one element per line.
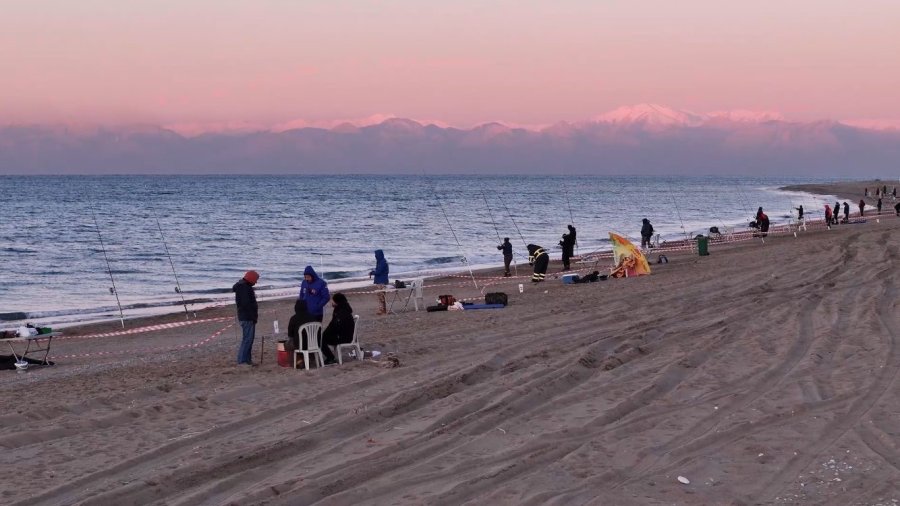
<point>313,344</point>
<point>416,292</point>
<point>352,345</point>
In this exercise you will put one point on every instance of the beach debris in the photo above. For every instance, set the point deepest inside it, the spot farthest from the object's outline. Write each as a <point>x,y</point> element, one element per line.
<point>390,361</point>
<point>501,430</point>
<point>683,480</point>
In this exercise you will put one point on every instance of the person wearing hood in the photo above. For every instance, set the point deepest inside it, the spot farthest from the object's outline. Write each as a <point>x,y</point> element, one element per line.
<point>568,247</point>
<point>314,290</point>
<point>763,223</point>
<point>380,279</point>
<point>646,234</point>
<point>540,260</point>
<point>846,212</point>
<point>828,218</point>
<point>340,329</point>
<point>862,207</point>
<point>300,318</point>
<point>247,314</point>
<point>837,212</point>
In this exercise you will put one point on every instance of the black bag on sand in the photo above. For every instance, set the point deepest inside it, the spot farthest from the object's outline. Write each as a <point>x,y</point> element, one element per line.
<point>439,307</point>
<point>496,298</point>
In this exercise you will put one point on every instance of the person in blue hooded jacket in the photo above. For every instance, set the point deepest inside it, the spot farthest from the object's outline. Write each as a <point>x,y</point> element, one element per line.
<point>380,278</point>
<point>314,290</point>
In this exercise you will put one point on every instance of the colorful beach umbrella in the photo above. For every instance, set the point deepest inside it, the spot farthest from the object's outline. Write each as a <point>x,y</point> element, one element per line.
<point>628,259</point>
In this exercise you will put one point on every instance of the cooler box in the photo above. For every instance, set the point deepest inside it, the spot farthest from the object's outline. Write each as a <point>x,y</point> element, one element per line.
<point>284,355</point>
<point>569,278</point>
<point>703,245</point>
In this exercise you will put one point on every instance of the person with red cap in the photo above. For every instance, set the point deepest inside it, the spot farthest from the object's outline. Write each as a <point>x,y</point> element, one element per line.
<point>247,313</point>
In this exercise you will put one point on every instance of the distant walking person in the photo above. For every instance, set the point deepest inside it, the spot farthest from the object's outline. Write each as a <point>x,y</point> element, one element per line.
<point>247,313</point>
<point>828,218</point>
<point>540,260</point>
<point>837,212</point>
<point>380,279</point>
<point>862,207</point>
<point>506,248</point>
<point>894,193</point>
<point>846,212</point>
<point>799,212</point>
<point>646,234</point>
<point>878,206</point>
<point>568,247</point>
<point>763,224</point>
<point>314,290</point>
<point>867,191</point>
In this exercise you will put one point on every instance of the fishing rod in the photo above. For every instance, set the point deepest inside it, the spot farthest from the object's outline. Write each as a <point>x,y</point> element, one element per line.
<point>675,204</point>
<point>108,269</point>
<point>458,244</point>
<point>497,230</point>
<point>524,242</point>
<point>571,215</point>
<point>187,315</point>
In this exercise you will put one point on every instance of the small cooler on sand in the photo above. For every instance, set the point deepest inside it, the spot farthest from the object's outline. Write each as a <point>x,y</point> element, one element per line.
<point>569,279</point>
<point>284,354</point>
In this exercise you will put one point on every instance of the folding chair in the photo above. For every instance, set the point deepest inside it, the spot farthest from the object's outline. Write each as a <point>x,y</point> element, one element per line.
<point>313,344</point>
<point>352,345</point>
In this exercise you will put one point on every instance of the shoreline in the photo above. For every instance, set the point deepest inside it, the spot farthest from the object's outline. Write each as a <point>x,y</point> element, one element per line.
<point>763,373</point>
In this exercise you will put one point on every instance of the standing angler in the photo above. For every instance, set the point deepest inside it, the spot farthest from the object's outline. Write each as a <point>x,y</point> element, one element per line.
<point>247,313</point>
<point>568,247</point>
<point>506,248</point>
<point>646,234</point>
<point>380,275</point>
<point>540,260</point>
<point>314,290</point>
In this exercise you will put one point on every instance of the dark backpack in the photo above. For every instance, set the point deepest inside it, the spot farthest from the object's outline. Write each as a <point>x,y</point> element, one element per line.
<point>495,298</point>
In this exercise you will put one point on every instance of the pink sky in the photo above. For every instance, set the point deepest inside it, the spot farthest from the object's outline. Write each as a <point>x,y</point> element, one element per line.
<point>273,62</point>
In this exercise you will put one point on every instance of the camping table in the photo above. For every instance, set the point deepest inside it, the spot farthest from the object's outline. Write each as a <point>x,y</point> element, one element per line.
<point>398,298</point>
<point>33,345</point>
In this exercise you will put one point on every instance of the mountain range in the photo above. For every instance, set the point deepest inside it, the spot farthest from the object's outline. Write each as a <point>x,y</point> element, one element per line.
<point>643,140</point>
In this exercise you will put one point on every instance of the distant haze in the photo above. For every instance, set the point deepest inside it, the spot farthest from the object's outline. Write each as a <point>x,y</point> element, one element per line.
<point>637,140</point>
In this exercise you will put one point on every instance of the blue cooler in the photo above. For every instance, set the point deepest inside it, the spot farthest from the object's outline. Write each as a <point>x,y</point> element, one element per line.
<point>569,279</point>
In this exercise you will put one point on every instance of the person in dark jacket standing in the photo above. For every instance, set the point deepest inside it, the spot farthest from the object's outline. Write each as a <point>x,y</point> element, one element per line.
<point>506,248</point>
<point>247,313</point>
<point>837,212</point>
<point>301,317</point>
<point>380,279</point>
<point>540,260</point>
<point>862,207</point>
<point>340,329</point>
<point>799,213</point>
<point>763,224</point>
<point>646,234</point>
<point>314,290</point>
<point>846,212</point>
<point>878,206</point>
<point>568,247</point>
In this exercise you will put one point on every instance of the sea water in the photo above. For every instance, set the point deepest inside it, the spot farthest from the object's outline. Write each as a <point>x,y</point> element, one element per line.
<point>54,268</point>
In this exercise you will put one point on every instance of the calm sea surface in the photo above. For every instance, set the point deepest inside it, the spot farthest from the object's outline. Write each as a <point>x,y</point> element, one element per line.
<point>217,227</point>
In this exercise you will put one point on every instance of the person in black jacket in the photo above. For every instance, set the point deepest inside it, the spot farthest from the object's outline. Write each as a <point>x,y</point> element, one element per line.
<point>568,247</point>
<point>540,260</point>
<point>646,234</point>
<point>301,317</point>
<point>247,314</point>
<point>506,248</point>
<point>846,212</point>
<point>340,330</point>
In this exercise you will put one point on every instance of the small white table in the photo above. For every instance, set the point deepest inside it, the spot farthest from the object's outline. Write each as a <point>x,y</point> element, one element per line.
<point>33,345</point>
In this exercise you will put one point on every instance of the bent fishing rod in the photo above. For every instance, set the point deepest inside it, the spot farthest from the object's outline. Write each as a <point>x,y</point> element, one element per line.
<point>113,289</point>
<point>187,315</point>
<point>497,230</point>
<point>455,238</point>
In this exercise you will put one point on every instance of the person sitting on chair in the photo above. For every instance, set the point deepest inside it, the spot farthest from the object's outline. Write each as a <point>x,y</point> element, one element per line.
<point>340,330</point>
<point>301,317</point>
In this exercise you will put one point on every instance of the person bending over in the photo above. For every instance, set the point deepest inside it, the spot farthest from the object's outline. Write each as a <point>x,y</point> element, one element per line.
<point>340,330</point>
<point>540,260</point>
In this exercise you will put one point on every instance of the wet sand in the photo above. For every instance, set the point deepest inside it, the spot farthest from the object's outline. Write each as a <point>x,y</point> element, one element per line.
<point>765,373</point>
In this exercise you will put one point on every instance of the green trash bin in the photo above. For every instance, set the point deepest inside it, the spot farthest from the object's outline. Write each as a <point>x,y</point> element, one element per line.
<point>703,245</point>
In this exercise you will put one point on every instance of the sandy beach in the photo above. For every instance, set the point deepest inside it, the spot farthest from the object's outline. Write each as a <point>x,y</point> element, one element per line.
<point>765,373</point>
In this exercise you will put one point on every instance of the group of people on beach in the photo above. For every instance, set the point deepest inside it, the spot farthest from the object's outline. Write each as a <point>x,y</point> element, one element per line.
<point>308,308</point>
